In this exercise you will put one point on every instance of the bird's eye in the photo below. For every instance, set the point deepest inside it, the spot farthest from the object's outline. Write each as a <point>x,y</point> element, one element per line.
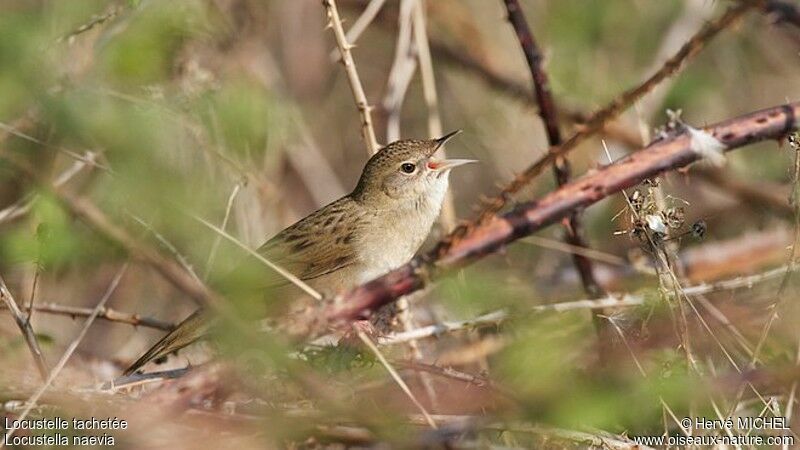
<point>408,167</point>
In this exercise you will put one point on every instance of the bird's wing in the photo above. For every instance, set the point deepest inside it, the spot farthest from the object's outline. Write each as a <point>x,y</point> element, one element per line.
<point>317,245</point>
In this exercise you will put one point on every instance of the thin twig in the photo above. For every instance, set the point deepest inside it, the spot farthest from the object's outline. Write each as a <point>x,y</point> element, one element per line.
<point>360,25</point>
<point>363,21</point>
<point>31,403</point>
<point>108,314</point>
<point>95,21</point>
<point>87,159</point>
<point>364,109</point>
<point>172,271</point>
<point>599,118</point>
<point>591,253</point>
<point>280,270</point>
<point>644,375</point>
<point>404,65</point>
<point>561,166</point>
<point>692,16</point>
<point>794,201</point>
<point>182,260</point>
<point>447,372</point>
<point>518,91</point>
<point>23,206</point>
<point>213,253</point>
<point>368,342</point>
<point>34,286</point>
<point>792,396</point>
<point>25,328</point>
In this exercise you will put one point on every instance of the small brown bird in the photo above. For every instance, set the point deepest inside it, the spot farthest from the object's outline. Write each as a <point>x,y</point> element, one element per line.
<point>365,234</point>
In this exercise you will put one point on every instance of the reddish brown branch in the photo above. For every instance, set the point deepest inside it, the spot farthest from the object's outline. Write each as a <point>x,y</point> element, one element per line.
<point>561,166</point>
<point>598,119</point>
<point>491,235</point>
<point>549,115</point>
<point>533,56</point>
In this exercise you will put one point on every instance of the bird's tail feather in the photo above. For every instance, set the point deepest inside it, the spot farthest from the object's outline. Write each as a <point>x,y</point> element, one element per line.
<point>190,330</point>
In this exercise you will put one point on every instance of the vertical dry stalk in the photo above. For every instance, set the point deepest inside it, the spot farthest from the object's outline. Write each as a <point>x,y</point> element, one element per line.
<point>397,378</point>
<point>26,329</point>
<point>448,218</point>
<point>364,109</point>
<point>561,166</point>
<point>403,67</point>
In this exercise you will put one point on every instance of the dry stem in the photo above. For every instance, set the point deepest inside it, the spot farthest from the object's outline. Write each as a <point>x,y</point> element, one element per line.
<point>108,314</point>
<point>448,217</point>
<point>25,327</point>
<point>364,109</point>
<point>397,378</point>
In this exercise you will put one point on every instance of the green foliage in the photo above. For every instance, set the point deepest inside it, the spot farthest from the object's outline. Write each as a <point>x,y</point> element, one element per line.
<point>332,359</point>
<point>244,118</point>
<point>145,51</point>
<point>53,241</point>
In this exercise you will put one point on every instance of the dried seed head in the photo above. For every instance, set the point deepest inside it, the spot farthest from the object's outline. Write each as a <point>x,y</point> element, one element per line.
<point>699,229</point>
<point>794,141</point>
<point>674,120</point>
<point>637,200</point>
<point>675,217</point>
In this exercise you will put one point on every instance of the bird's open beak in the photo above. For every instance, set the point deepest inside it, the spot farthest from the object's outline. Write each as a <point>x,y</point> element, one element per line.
<point>447,164</point>
<point>440,141</point>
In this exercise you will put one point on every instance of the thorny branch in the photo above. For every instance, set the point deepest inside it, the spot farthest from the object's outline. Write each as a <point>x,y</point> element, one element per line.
<point>489,236</point>
<point>597,120</point>
<point>105,313</point>
<point>561,166</point>
<point>364,109</point>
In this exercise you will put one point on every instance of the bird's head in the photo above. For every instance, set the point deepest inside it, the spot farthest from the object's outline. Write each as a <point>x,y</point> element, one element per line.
<point>406,170</point>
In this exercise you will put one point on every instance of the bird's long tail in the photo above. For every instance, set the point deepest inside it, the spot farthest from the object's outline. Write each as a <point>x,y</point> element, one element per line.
<point>190,330</point>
